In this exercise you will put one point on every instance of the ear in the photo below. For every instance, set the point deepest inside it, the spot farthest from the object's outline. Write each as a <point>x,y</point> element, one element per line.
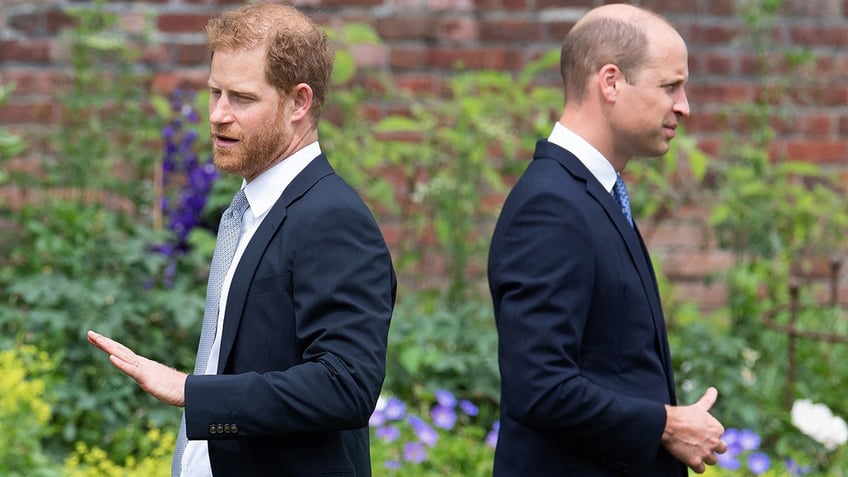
<point>609,79</point>
<point>301,96</point>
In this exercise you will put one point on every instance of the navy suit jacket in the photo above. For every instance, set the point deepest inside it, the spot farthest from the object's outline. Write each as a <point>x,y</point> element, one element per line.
<point>304,339</point>
<point>583,352</point>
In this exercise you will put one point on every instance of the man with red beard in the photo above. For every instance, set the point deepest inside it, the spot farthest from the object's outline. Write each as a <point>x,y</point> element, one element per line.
<point>292,352</point>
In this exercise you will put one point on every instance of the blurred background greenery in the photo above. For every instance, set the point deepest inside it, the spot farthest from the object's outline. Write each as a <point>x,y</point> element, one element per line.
<point>129,239</point>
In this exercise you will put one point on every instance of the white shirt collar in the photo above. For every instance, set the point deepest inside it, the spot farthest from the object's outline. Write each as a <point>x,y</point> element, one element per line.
<point>264,191</point>
<point>597,164</point>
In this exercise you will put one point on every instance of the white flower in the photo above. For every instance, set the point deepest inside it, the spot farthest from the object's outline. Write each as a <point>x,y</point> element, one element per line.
<point>818,422</point>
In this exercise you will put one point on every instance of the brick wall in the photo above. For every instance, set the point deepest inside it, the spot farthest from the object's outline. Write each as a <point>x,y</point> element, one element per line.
<point>425,38</point>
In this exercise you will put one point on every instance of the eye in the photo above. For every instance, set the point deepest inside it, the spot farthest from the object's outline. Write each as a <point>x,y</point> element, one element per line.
<point>214,92</point>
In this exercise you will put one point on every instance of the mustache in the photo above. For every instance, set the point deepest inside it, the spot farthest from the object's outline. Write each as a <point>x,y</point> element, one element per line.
<point>225,132</point>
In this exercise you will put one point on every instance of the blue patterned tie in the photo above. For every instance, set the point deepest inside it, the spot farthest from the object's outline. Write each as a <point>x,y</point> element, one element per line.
<point>619,191</point>
<point>225,247</point>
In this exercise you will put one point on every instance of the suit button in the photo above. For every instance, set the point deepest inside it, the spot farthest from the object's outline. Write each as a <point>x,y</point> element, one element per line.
<point>212,429</point>
<point>226,428</point>
<point>234,428</point>
<point>220,428</point>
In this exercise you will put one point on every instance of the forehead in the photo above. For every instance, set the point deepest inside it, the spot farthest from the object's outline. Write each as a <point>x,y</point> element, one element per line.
<point>239,69</point>
<point>668,56</point>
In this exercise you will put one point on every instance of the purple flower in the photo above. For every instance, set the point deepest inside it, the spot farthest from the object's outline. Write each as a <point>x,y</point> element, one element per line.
<point>414,452</point>
<point>425,433</point>
<point>395,409</point>
<point>729,461</point>
<point>795,469</point>
<point>468,408</point>
<point>445,398</point>
<point>758,463</point>
<point>492,437</point>
<point>443,417</point>
<point>388,433</point>
<point>377,419</point>
<point>749,440</point>
<point>392,464</point>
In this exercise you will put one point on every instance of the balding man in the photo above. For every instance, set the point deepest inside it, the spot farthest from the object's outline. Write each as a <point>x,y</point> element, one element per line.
<point>587,384</point>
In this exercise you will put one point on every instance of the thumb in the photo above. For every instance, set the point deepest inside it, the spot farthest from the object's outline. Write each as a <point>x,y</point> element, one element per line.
<point>708,399</point>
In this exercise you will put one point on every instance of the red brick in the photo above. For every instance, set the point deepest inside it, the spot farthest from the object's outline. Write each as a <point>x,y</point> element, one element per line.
<point>192,54</point>
<point>833,151</point>
<point>709,296</point>
<point>31,81</point>
<point>542,4</point>
<point>20,112</point>
<point>29,51</point>
<point>182,22</point>
<point>413,58</point>
<point>722,92</point>
<point>459,29</point>
<point>819,36</point>
<point>695,265</point>
<point>666,7</point>
<point>407,28</point>
<point>711,34</point>
<point>166,83</point>
<point>722,7</point>
<point>515,30</point>
<point>816,125</point>
<point>705,121</point>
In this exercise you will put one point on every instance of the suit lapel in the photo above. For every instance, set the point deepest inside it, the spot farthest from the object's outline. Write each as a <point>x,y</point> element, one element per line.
<point>247,265</point>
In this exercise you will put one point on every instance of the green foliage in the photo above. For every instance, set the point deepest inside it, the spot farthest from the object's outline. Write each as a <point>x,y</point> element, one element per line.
<point>459,452</point>
<point>24,412</point>
<point>81,257</point>
<point>435,346</point>
<point>10,144</point>
<point>781,218</point>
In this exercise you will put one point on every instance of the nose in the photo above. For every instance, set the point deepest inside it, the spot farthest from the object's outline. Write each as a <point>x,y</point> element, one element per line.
<point>219,109</point>
<point>681,104</point>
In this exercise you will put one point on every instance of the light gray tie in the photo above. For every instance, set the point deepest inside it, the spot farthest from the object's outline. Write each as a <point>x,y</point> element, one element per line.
<point>225,247</point>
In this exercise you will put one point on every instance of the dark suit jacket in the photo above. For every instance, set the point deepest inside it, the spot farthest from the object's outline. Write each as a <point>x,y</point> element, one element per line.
<point>583,352</point>
<point>304,340</point>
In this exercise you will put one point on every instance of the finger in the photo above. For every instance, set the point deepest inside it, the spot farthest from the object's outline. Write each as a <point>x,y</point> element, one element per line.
<point>708,399</point>
<point>126,367</point>
<point>112,347</point>
<point>711,459</point>
<point>699,469</point>
<point>721,448</point>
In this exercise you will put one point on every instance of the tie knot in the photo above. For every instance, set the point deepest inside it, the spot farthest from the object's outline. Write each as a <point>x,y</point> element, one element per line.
<point>239,204</point>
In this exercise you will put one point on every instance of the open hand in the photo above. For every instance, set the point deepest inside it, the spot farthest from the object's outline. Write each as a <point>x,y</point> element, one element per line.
<point>164,383</point>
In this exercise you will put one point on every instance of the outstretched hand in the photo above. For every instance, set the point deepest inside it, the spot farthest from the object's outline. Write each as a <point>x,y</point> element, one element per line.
<point>164,383</point>
<point>693,435</point>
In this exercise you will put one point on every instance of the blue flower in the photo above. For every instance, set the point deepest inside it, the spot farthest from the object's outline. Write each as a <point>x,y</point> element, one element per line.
<point>425,433</point>
<point>443,417</point>
<point>758,463</point>
<point>377,419</point>
<point>388,433</point>
<point>445,398</point>
<point>395,409</point>
<point>749,440</point>
<point>414,452</point>
<point>468,408</point>
<point>492,437</point>
<point>729,461</point>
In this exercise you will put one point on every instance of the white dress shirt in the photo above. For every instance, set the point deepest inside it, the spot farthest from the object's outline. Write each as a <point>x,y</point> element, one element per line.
<point>262,193</point>
<point>597,164</point>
